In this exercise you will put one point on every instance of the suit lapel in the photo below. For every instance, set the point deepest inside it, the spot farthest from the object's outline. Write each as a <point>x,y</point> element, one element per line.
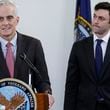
<point>20,49</point>
<point>106,59</point>
<point>3,67</point>
<point>89,49</point>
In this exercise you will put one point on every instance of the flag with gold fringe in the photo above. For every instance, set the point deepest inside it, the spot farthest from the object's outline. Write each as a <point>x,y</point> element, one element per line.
<point>83,27</point>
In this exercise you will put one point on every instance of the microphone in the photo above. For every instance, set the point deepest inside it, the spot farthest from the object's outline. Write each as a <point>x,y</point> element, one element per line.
<point>24,57</point>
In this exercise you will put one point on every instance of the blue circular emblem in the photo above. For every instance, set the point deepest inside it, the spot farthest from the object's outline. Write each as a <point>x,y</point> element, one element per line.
<point>16,95</point>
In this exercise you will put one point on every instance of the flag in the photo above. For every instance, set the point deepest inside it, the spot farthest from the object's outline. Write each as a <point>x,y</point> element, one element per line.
<point>83,27</point>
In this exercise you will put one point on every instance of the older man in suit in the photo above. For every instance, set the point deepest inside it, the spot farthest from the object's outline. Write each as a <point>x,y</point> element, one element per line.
<point>88,76</point>
<point>21,44</point>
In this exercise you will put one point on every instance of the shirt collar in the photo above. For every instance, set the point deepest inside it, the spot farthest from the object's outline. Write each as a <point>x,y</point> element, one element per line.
<point>105,38</point>
<point>4,42</point>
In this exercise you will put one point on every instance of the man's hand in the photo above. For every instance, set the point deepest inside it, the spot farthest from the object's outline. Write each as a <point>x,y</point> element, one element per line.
<point>51,100</point>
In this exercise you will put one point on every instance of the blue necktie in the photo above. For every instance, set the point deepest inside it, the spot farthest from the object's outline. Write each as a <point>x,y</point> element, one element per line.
<point>98,64</point>
<point>98,56</point>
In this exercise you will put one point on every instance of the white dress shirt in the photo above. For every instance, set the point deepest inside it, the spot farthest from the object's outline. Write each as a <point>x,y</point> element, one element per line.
<point>103,44</point>
<point>14,45</point>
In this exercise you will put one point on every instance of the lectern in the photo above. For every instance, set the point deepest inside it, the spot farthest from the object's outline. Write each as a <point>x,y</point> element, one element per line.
<point>42,101</point>
<point>17,95</point>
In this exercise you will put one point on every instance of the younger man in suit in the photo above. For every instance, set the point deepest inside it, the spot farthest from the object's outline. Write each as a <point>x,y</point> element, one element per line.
<point>88,82</point>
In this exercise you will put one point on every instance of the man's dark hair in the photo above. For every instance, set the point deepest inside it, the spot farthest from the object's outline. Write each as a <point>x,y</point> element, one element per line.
<point>103,5</point>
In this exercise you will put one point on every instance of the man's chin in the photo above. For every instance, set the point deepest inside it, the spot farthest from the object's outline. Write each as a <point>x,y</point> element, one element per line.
<point>5,34</point>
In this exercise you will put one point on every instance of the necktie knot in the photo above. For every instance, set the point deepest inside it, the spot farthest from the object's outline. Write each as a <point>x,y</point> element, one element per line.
<point>99,41</point>
<point>8,45</point>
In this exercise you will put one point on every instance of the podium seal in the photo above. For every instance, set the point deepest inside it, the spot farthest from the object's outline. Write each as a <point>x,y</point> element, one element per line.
<point>16,95</point>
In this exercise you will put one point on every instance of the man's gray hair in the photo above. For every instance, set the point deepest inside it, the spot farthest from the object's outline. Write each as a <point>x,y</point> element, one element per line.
<point>9,2</point>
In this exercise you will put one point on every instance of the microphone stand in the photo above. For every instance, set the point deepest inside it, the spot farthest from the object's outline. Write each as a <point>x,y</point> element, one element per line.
<point>24,57</point>
<point>42,98</point>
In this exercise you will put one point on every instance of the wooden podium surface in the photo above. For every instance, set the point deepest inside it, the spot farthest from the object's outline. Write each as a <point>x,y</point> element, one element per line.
<point>42,101</point>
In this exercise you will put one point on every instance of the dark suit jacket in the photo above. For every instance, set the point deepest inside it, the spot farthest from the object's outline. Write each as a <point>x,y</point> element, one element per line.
<point>33,49</point>
<point>82,84</point>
